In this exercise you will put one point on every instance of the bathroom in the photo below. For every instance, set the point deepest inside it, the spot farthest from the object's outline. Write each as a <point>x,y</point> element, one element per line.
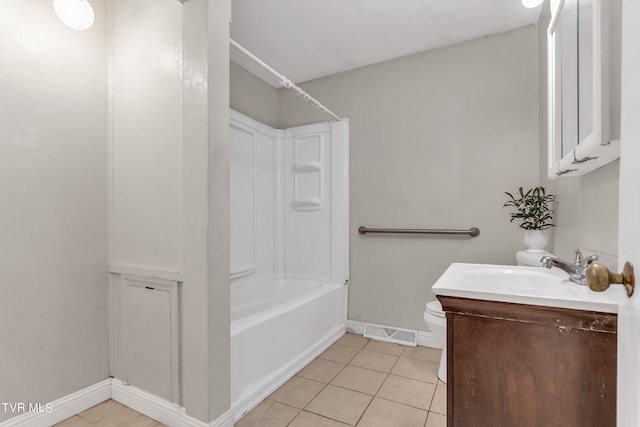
<point>113,170</point>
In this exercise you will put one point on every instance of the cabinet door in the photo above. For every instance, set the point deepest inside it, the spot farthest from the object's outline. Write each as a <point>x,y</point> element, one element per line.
<point>148,332</point>
<point>527,366</point>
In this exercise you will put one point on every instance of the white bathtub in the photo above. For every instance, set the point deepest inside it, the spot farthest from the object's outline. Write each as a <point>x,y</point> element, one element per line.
<point>277,327</point>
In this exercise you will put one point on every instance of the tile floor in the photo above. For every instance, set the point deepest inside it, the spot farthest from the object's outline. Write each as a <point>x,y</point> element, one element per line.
<point>359,382</point>
<point>109,414</point>
<point>355,382</point>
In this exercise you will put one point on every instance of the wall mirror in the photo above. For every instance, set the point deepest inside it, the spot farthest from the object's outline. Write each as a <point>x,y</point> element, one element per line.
<point>584,85</point>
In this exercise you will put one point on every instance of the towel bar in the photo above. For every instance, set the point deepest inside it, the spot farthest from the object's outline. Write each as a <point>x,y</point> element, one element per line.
<point>473,231</point>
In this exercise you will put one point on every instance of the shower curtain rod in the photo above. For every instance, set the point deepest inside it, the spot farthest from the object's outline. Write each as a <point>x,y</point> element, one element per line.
<point>284,80</point>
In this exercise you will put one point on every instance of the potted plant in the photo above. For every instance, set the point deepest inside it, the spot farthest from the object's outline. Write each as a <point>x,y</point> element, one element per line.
<point>534,209</point>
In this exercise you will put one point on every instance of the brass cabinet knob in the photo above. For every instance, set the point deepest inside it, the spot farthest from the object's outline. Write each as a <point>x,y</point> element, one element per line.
<point>599,277</point>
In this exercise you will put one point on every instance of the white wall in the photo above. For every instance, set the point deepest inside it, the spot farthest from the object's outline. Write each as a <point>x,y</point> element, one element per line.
<point>169,166</point>
<point>436,139</point>
<point>53,187</point>
<point>252,97</point>
<point>145,145</point>
<point>146,111</point>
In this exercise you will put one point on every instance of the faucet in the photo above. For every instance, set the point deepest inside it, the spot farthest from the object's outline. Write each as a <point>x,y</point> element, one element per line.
<point>577,270</point>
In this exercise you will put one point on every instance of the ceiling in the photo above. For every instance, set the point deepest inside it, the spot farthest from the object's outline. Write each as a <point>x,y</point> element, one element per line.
<point>308,39</point>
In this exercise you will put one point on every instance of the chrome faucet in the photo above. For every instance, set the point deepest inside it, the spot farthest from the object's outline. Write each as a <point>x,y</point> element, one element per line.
<point>577,270</point>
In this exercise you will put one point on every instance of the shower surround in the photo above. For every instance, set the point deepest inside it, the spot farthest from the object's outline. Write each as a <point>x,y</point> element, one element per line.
<point>289,250</point>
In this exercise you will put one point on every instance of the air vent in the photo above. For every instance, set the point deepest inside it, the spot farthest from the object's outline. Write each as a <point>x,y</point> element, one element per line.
<point>389,334</point>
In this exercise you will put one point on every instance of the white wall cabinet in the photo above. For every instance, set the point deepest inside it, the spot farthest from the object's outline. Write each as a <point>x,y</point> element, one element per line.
<point>584,86</point>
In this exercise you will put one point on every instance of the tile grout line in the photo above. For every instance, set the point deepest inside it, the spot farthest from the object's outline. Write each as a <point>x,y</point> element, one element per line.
<point>325,386</point>
<point>387,374</point>
<point>378,390</point>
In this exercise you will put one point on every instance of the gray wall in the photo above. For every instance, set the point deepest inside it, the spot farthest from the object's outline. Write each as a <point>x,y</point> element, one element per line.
<point>53,187</point>
<point>252,97</point>
<point>436,139</point>
<point>587,209</point>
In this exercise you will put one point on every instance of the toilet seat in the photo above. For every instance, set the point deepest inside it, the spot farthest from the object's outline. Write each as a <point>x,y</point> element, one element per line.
<point>435,309</point>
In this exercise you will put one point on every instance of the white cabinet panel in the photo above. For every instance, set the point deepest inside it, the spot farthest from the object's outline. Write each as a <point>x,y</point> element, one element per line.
<point>149,340</point>
<point>145,346</point>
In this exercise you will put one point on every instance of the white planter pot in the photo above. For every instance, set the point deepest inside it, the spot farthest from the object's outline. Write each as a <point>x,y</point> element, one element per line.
<point>535,240</point>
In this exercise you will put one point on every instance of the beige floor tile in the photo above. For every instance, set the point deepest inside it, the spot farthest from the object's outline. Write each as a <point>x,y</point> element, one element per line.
<point>139,421</point>
<point>384,413</point>
<point>416,369</point>
<point>436,420</point>
<point>339,404</point>
<point>252,417</point>
<point>105,410</point>
<point>407,391</point>
<point>426,354</point>
<point>360,379</point>
<point>109,414</point>
<point>113,414</point>
<point>279,415</point>
<point>385,347</point>
<point>374,360</point>
<point>353,340</point>
<point>307,419</point>
<point>75,421</point>
<point>297,392</point>
<point>439,402</point>
<point>340,353</point>
<point>321,370</point>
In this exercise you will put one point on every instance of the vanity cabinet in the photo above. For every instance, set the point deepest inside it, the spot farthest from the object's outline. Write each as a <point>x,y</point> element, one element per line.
<point>529,366</point>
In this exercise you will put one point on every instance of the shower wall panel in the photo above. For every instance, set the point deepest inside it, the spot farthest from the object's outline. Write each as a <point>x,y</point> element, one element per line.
<point>289,201</point>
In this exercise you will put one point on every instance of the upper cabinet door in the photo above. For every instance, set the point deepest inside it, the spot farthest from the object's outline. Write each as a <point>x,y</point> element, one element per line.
<point>584,86</point>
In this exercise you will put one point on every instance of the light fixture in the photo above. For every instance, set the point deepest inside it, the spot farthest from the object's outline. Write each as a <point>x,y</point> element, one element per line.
<point>531,3</point>
<point>76,14</point>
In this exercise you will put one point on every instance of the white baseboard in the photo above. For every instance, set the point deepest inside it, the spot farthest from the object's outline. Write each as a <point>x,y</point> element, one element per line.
<point>425,338</point>
<point>224,420</point>
<point>171,414</point>
<point>355,327</point>
<point>65,407</point>
<point>148,404</point>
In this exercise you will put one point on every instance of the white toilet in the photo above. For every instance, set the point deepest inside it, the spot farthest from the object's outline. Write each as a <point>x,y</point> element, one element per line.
<point>436,320</point>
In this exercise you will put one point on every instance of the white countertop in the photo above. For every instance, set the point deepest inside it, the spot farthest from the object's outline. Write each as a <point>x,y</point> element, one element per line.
<point>525,285</point>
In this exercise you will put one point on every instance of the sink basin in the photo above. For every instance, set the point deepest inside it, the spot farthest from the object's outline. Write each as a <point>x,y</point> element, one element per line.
<point>513,278</point>
<point>524,285</point>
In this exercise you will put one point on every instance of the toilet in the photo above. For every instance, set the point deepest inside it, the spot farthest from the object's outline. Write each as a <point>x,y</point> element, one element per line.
<point>436,320</point>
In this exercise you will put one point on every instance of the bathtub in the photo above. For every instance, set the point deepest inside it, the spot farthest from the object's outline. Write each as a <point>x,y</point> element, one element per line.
<point>277,327</point>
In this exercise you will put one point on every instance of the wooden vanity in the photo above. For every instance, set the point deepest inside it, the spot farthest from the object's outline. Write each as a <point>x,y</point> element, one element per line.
<point>521,365</point>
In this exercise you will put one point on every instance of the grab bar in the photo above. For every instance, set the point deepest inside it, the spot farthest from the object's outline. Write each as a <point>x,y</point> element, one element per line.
<point>473,231</point>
